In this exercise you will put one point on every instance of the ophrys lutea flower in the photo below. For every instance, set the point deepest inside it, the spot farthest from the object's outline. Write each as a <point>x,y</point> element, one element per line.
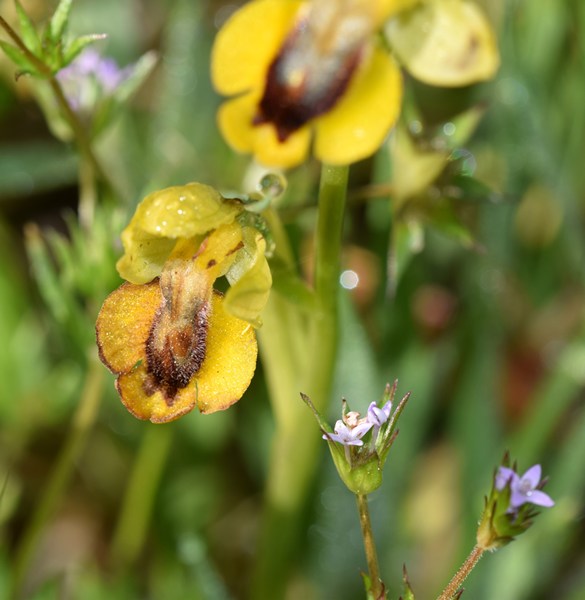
<point>174,342</point>
<point>320,72</point>
<point>299,70</point>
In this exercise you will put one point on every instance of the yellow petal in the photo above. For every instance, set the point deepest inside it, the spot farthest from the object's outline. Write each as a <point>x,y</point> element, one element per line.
<point>270,152</point>
<point>235,120</point>
<point>152,405</point>
<point>183,211</point>
<point>178,212</point>
<point>445,43</point>
<point>250,280</point>
<point>218,251</point>
<point>359,122</point>
<point>230,362</point>
<point>144,256</point>
<point>387,8</point>
<point>124,323</point>
<point>224,376</point>
<point>248,42</point>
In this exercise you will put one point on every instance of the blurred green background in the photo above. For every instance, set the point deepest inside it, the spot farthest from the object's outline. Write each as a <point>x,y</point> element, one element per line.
<point>488,334</point>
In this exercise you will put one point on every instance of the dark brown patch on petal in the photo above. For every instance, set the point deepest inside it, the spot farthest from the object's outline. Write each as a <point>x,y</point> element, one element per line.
<point>175,351</point>
<point>295,93</point>
<point>211,263</point>
<point>237,247</point>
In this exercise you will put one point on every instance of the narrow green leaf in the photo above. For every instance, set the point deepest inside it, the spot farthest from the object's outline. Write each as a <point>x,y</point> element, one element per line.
<point>17,56</point>
<point>73,48</point>
<point>28,30</point>
<point>139,72</point>
<point>59,21</point>
<point>407,239</point>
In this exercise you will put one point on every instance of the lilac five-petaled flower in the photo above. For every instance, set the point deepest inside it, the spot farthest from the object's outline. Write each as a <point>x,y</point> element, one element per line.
<point>523,488</point>
<point>348,436</point>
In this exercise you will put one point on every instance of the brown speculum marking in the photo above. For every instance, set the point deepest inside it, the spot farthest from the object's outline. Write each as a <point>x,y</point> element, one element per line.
<point>175,349</point>
<point>295,93</point>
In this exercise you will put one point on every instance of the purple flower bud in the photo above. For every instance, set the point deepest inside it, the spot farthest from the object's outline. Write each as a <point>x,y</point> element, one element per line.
<point>378,416</point>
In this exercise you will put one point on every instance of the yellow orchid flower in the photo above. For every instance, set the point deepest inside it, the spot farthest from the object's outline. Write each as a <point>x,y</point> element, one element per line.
<point>301,73</point>
<point>174,342</point>
<point>299,70</point>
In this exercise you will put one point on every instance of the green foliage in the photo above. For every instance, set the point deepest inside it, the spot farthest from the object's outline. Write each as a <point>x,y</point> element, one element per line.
<point>482,325</point>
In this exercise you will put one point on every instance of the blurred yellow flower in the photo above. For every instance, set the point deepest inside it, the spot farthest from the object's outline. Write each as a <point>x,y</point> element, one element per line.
<point>173,341</point>
<point>300,70</point>
<point>301,73</point>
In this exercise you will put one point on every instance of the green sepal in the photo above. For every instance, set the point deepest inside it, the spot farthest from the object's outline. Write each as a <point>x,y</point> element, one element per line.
<point>389,432</point>
<point>28,30</point>
<point>73,48</point>
<point>323,424</point>
<point>407,593</point>
<point>59,20</point>
<point>368,588</point>
<point>362,474</point>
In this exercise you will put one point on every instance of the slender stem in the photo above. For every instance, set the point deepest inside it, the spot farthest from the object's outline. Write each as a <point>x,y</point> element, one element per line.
<point>139,498</point>
<point>83,420</point>
<point>462,574</point>
<point>293,463</point>
<point>87,195</point>
<point>79,131</point>
<point>377,587</point>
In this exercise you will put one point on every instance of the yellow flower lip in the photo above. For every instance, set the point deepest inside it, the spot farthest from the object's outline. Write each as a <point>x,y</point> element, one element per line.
<point>166,369</point>
<point>173,341</point>
<point>295,92</point>
<point>307,70</point>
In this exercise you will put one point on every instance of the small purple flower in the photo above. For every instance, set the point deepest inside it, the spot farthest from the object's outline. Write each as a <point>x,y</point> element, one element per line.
<point>348,436</point>
<point>89,77</point>
<point>378,416</point>
<point>523,488</point>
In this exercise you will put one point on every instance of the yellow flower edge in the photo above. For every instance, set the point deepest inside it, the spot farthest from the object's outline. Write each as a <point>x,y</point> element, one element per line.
<point>357,125</point>
<point>247,43</point>
<point>122,330</point>
<point>124,323</point>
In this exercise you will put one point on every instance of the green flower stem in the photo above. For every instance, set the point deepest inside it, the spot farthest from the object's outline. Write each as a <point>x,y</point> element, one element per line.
<point>299,360</point>
<point>138,500</point>
<point>81,136</point>
<point>461,575</point>
<point>377,587</point>
<point>81,425</point>
<point>87,195</point>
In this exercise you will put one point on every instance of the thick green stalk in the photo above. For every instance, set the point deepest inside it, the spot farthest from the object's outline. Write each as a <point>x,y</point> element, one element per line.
<point>60,476</point>
<point>295,449</point>
<point>139,498</point>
